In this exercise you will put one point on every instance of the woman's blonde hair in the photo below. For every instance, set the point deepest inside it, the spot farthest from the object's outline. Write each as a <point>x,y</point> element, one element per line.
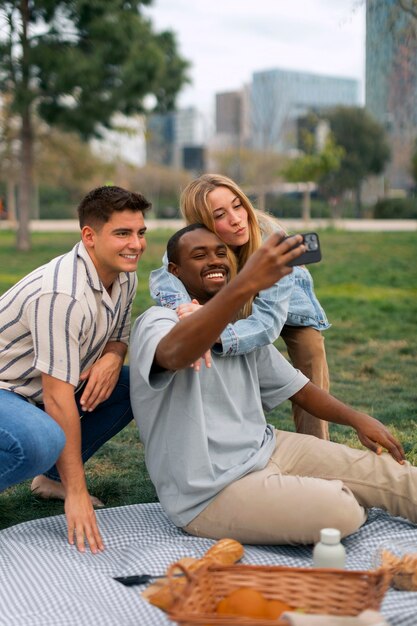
<point>195,208</point>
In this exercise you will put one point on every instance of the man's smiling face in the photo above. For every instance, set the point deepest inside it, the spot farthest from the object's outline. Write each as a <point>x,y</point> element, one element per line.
<point>203,265</point>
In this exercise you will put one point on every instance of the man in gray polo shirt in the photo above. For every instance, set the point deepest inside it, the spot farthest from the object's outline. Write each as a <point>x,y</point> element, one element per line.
<point>64,331</point>
<point>219,469</point>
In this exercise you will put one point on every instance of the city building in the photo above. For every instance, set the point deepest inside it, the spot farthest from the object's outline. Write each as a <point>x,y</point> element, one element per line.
<point>279,97</point>
<point>124,140</point>
<point>228,120</point>
<point>160,138</point>
<point>176,139</point>
<point>232,127</point>
<point>391,83</point>
<point>228,112</point>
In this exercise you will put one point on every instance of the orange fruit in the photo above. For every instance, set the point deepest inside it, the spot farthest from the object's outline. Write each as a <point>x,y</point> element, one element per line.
<point>275,608</point>
<point>223,606</point>
<point>244,601</point>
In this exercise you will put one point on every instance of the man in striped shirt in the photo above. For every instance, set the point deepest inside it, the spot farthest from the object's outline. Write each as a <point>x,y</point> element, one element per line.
<point>64,331</point>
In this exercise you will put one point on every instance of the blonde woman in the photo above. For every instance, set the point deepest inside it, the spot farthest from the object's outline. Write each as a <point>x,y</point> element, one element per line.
<point>289,309</point>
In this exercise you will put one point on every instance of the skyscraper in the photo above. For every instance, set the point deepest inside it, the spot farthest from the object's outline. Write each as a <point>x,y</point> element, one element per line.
<point>160,136</point>
<point>391,82</point>
<point>229,113</point>
<point>176,139</point>
<point>280,97</point>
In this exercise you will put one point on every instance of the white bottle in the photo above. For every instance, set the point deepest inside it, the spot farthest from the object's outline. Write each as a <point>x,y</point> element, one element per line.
<point>329,552</point>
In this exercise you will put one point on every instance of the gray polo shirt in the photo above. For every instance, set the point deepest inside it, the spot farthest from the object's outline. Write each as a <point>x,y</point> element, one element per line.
<point>202,431</point>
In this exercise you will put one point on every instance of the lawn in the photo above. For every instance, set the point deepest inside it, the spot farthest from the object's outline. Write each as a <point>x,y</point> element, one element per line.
<point>367,283</point>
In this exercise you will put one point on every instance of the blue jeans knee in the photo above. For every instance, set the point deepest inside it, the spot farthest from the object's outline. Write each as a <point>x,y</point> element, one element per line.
<point>30,440</point>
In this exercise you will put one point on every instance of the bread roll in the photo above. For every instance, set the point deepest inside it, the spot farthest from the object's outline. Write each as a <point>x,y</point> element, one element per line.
<point>225,552</point>
<point>163,592</point>
<point>404,570</point>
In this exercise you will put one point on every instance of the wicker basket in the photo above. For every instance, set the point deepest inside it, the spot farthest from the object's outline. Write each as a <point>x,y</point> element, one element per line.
<point>327,591</point>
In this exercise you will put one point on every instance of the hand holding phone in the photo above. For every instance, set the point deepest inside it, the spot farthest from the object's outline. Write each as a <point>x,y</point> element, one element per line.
<point>312,253</point>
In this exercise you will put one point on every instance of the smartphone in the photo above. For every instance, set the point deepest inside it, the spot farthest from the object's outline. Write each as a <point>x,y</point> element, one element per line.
<point>312,253</point>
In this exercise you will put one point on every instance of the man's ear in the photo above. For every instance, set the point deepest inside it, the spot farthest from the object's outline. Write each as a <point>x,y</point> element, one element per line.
<point>173,268</point>
<point>88,236</point>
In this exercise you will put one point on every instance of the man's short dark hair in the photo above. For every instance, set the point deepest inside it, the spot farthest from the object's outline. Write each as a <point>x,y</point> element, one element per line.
<point>173,242</point>
<point>97,207</point>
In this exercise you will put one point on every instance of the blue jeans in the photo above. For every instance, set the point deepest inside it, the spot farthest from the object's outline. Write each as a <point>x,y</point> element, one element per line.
<point>31,441</point>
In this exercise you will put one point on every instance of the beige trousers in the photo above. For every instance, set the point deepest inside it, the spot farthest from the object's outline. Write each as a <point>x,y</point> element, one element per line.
<point>307,485</point>
<point>305,346</point>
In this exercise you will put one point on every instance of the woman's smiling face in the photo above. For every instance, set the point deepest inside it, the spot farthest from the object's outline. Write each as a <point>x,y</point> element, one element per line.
<point>230,217</point>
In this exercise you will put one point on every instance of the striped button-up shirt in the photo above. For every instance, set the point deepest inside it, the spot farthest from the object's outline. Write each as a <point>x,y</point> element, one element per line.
<point>57,321</point>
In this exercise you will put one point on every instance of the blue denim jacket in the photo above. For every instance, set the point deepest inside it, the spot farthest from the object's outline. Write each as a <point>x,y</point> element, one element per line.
<point>290,301</point>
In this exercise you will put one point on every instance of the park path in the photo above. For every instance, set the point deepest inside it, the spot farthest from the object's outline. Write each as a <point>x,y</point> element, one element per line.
<point>292,225</point>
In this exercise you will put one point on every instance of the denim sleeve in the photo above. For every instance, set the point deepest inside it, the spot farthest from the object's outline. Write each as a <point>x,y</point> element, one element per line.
<point>263,326</point>
<point>305,309</point>
<point>166,289</point>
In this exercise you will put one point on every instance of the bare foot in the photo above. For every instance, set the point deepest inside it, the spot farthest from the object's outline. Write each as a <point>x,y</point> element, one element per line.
<point>48,489</point>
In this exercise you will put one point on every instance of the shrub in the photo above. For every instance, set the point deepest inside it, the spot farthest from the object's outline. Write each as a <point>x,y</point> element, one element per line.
<point>396,208</point>
<point>56,203</point>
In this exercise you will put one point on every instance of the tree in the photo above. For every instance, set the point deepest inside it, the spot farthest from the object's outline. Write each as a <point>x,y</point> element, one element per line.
<point>64,163</point>
<point>75,63</point>
<point>9,159</point>
<point>160,184</point>
<point>414,164</point>
<point>313,166</point>
<point>366,150</point>
<point>253,165</point>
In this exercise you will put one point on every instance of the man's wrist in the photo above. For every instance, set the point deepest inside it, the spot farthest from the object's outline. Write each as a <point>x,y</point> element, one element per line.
<point>114,353</point>
<point>118,356</point>
<point>75,486</point>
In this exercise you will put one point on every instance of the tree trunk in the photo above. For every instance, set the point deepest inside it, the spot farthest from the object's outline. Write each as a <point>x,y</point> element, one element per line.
<point>11,199</point>
<point>260,201</point>
<point>26,139</point>
<point>26,183</point>
<point>306,203</point>
<point>358,200</point>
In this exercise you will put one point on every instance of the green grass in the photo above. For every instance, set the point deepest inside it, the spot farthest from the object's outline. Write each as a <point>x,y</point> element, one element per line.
<point>367,283</point>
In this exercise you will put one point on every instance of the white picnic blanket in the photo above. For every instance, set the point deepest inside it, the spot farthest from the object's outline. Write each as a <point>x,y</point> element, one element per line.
<point>46,582</point>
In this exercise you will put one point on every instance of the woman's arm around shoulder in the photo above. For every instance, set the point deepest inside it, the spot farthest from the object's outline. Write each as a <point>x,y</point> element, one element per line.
<point>264,325</point>
<point>166,289</point>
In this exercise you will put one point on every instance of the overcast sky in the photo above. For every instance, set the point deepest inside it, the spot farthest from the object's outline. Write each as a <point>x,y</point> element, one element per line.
<point>227,40</point>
